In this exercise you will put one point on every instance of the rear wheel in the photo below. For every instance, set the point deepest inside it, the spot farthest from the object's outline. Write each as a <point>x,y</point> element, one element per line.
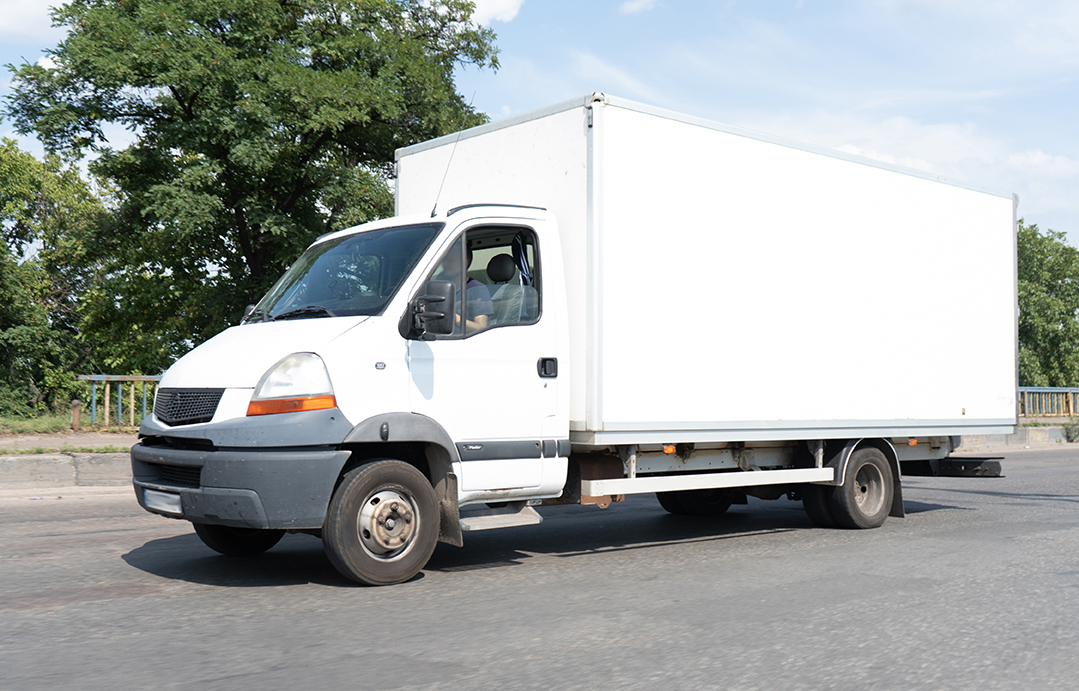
<point>382,523</point>
<point>817,501</point>
<point>865,497</point>
<point>695,502</point>
<point>669,502</point>
<point>704,502</point>
<point>237,542</point>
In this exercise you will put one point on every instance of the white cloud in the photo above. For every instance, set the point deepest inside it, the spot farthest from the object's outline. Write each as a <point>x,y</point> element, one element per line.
<point>603,76</point>
<point>488,11</point>
<point>27,22</point>
<point>1038,163</point>
<point>636,6</point>
<point>999,31</point>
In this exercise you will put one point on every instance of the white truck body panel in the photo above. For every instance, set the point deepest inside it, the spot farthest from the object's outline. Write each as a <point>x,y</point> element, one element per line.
<point>728,286</point>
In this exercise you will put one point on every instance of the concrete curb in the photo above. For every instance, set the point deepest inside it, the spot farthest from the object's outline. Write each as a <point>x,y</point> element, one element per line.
<point>1023,437</point>
<point>65,470</point>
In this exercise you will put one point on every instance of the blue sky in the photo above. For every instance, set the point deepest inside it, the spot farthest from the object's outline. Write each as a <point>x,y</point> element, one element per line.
<point>979,91</point>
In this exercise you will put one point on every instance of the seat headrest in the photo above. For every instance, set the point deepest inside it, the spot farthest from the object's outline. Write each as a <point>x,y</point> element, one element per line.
<point>501,268</point>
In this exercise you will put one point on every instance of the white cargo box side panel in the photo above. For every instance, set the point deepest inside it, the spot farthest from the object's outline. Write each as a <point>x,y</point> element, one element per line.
<point>749,285</point>
<point>539,159</point>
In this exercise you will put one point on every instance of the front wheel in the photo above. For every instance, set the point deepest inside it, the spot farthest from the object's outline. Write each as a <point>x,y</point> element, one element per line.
<point>237,542</point>
<point>865,497</point>
<point>382,523</point>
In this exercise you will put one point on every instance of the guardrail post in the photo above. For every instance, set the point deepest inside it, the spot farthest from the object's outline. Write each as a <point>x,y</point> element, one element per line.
<point>133,380</point>
<point>1048,401</point>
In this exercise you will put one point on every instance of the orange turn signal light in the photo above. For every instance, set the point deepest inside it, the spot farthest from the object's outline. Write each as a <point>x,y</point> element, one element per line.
<point>912,442</point>
<point>668,448</point>
<point>291,405</point>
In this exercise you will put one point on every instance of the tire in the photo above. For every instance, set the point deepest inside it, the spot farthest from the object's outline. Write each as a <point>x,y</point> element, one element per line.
<point>865,497</point>
<point>237,542</point>
<point>704,502</point>
<point>382,523</point>
<point>669,502</point>
<point>817,501</point>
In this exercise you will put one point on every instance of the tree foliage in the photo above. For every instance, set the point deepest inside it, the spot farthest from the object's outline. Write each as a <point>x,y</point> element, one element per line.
<point>1048,308</point>
<point>46,209</point>
<point>258,125</point>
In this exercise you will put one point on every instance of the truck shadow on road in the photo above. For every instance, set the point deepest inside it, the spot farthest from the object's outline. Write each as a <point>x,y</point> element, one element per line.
<point>637,524</point>
<point>296,560</point>
<point>567,532</point>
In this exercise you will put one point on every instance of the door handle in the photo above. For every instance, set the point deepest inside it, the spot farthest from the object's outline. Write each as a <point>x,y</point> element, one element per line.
<point>547,367</point>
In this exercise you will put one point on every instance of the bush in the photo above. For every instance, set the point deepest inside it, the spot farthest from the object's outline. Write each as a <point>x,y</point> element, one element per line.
<point>1071,430</point>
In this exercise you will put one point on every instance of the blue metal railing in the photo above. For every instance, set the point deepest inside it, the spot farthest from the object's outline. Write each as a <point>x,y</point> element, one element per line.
<point>1047,401</point>
<point>107,380</point>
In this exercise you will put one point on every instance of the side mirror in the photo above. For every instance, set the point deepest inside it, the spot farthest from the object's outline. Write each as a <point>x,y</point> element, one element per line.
<point>248,310</point>
<point>432,312</point>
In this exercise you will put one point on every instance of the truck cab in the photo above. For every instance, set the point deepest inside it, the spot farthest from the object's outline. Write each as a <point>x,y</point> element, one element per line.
<point>431,346</point>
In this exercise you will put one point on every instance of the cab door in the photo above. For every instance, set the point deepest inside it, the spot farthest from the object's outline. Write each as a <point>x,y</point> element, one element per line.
<point>494,381</point>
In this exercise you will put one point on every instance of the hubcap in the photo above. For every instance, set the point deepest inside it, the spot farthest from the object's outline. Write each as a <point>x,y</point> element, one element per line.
<point>869,490</point>
<point>387,524</point>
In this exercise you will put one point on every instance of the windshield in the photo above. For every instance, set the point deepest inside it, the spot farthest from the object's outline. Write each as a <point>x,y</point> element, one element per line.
<point>350,275</point>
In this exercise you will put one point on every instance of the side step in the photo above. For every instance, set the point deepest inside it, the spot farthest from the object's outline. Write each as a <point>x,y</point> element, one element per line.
<point>513,513</point>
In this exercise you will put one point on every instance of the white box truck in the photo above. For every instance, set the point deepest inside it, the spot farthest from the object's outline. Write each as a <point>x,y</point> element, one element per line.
<point>597,299</point>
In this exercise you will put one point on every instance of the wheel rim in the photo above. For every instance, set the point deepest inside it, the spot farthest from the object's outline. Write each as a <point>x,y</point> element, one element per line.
<point>869,490</point>
<point>387,524</point>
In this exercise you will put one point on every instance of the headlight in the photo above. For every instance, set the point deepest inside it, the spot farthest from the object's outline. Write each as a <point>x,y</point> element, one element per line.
<point>298,382</point>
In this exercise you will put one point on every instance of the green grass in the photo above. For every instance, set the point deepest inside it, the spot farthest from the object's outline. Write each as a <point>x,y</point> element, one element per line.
<point>37,450</point>
<point>95,449</point>
<point>45,424</point>
<point>54,424</point>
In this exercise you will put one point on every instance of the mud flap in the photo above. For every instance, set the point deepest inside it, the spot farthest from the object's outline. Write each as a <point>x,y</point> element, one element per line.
<point>449,523</point>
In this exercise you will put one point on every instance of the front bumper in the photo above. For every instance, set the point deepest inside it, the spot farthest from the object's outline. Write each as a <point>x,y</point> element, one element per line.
<point>282,488</point>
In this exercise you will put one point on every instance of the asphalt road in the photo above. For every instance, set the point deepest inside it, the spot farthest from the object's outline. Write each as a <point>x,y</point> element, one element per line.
<point>978,588</point>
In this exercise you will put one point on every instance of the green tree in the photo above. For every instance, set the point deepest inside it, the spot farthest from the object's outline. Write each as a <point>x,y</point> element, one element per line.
<point>1048,308</point>
<point>45,208</point>
<point>258,124</point>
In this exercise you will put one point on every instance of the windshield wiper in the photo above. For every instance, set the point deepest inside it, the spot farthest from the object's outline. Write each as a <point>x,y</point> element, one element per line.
<point>301,312</point>
<point>264,314</point>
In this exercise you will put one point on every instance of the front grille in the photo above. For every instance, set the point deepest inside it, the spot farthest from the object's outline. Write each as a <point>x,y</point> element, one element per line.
<point>183,475</point>
<point>186,406</point>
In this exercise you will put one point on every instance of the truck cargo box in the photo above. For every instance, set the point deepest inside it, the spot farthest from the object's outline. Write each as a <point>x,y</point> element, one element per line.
<point>725,285</point>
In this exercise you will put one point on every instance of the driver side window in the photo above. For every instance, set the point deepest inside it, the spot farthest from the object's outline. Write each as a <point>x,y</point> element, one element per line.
<point>475,297</point>
<point>497,268</point>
